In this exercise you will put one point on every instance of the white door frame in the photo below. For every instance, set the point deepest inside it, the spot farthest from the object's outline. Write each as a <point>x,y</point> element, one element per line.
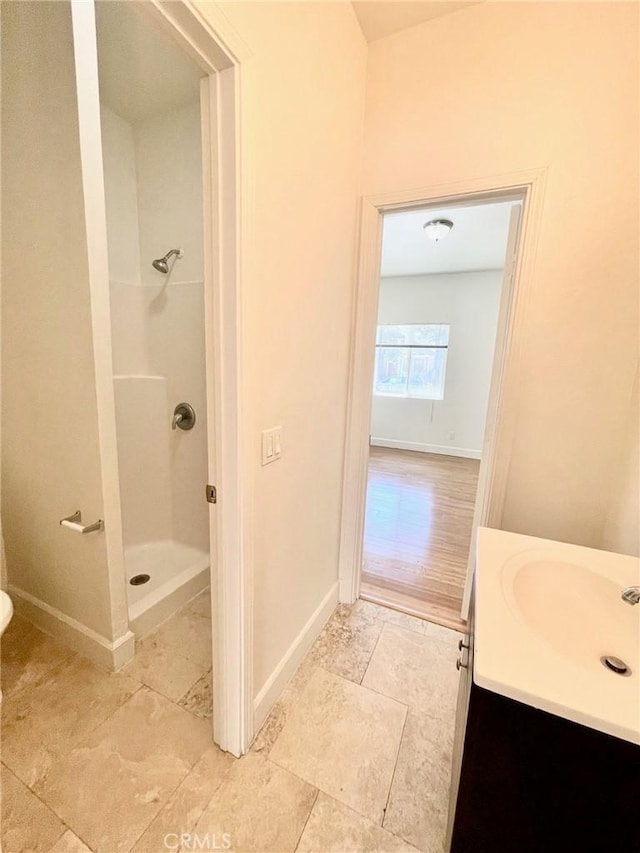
<point>483,513</point>
<point>213,45</point>
<point>525,186</point>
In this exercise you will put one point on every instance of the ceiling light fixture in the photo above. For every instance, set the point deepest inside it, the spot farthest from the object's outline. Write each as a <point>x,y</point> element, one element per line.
<point>437,229</point>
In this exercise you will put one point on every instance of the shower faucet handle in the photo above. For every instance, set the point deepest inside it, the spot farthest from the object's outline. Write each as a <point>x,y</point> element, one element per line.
<point>184,416</point>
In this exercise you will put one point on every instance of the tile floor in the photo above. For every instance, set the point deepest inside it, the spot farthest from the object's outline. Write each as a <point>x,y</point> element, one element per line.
<point>354,757</point>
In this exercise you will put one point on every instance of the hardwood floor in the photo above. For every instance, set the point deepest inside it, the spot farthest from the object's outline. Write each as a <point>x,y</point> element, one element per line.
<point>417,531</point>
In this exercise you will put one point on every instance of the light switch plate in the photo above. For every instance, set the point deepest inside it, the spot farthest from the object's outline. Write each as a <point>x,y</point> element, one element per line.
<point>271,444</point>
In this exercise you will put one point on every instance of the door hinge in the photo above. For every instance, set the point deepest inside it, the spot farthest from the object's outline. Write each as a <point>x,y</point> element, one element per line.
<point>212,494</point>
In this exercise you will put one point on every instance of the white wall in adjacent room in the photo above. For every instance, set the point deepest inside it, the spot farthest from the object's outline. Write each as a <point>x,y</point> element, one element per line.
<point>468,302</point>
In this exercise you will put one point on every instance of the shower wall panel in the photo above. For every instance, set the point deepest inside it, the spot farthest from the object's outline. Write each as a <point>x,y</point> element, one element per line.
<point>169,168</point>
<point>121,197</point>
<point>143,455</point>
<point>174,322</point>
<point>153,185</point>
<point>128,329</point>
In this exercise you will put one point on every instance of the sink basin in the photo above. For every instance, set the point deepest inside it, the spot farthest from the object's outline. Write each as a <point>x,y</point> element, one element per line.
<point>6,611</point>
<point>547,614</point>
<point>573,608</point>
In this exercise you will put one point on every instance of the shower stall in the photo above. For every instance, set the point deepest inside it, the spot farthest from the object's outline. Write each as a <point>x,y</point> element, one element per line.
<point>153,191</point>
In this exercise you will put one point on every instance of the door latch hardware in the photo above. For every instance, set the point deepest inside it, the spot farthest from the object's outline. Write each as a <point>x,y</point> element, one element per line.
<point>212,494</point>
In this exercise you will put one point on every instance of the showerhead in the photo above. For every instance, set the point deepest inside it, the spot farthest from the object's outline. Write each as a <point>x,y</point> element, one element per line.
<point>161,264</point>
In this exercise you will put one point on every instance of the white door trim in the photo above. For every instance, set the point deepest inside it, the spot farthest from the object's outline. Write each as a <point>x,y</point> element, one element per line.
<point>527,186</point>
<point>488,479</point>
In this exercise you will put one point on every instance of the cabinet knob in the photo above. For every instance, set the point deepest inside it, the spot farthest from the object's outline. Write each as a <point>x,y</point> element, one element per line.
<point>462,645</point>
<point>460,665</point>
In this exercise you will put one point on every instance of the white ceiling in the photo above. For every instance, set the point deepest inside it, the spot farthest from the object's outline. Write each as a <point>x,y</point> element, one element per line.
<point>379,18</point>
<point>477,241</point>
<point>142,71</point>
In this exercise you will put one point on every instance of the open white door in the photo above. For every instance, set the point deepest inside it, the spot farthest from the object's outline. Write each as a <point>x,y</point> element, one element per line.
<point>233,699</point>
<point>486,481</point>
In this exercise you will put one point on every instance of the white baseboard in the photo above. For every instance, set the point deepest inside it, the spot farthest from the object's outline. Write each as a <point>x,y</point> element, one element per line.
<point>106,653</point>
<point>442,449</point>
<point>292,659</point>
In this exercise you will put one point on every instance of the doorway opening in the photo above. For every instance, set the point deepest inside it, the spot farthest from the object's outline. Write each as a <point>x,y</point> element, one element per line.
<point>152,157</point>
<point>411,362</point>
<point>176,75</point>
<point>441,278</point>
<point>153,180</point>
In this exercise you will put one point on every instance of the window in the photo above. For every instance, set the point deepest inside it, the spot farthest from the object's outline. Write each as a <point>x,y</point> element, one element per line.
<point>411,361</point>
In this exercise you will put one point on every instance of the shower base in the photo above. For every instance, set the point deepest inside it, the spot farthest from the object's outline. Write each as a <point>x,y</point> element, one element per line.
<point>177,573</point>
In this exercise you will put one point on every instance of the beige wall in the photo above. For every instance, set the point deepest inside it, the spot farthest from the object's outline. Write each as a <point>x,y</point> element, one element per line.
<point>302,89</point>
<point>503,87</point>
<point>469,303</point>
<point>622,528</point>
<point>50,452</point>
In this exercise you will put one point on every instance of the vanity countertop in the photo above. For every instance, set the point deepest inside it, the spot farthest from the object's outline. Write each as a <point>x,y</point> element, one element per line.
<point>546,613</point>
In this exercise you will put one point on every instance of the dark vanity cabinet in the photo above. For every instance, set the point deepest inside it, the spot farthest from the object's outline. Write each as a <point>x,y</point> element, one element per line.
<point>526,781</point>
